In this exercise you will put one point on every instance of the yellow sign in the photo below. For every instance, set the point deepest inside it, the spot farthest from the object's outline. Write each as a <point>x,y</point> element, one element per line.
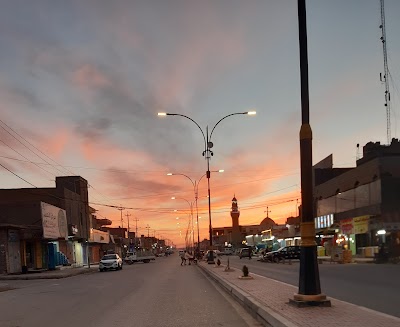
<point>361,224</point>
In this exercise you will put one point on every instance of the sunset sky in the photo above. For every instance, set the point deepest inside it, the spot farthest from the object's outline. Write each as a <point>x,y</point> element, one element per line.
<point>83,81</point>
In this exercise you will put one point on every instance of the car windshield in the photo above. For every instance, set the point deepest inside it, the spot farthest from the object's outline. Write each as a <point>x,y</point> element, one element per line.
<point>109,257</point>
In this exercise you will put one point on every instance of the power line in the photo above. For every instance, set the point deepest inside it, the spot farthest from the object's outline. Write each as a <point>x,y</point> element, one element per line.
<point>27,160</point>
<point>25,144</point>
<point>18,176</point>
<point>37,164</point>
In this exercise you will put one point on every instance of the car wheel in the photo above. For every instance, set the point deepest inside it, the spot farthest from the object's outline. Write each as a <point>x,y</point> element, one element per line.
<point>276,260</point>
<point>101,270</point>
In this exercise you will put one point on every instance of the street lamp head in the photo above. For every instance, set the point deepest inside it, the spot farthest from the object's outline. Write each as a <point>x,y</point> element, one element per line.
<point>172,198</point>
<point>221,171</point>
<point>169,174</point>
<point>162,114</point>
<point>251,113</point>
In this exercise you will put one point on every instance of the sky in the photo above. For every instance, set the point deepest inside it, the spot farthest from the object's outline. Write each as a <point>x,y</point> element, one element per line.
<point>81,83</point>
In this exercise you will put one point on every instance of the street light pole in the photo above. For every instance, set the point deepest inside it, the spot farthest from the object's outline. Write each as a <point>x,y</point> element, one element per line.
<point>207,153</point>
<point>309,283</point>
<point>136,234</point>
<point>191,215</point>
<point>196,196</point>
<point>209,145</point>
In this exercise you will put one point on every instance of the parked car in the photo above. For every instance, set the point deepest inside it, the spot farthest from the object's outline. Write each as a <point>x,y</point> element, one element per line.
<point>284,253</point>
<point>228,251</point>
<point>110,261</point>
<point>244,252</point>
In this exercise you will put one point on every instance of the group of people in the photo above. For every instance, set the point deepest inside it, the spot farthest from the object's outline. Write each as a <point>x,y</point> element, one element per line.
<point>186,256</point>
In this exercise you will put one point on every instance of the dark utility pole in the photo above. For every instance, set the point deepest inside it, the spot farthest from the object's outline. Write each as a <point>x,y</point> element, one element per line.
<point>309,284</point>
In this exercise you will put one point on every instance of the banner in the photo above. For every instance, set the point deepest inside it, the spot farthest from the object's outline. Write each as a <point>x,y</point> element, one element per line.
<point>98,236</point>
<point>54,222</point>
<point>346,225</point>
<point>361,224</point>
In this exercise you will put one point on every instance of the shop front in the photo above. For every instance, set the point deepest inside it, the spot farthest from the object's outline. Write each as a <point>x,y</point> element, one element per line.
<point>10,250</point>
<point>97,238</point>
<point>355,236</point>
<point>54,224</point>
<point>33,252</point>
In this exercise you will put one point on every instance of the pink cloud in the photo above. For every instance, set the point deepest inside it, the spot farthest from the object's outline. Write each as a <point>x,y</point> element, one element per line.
<point>55,145</point>
<point>87,76</point>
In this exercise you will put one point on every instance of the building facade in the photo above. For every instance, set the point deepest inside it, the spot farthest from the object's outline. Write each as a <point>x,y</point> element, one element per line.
<point>360,206</point>
<point>40,227</point>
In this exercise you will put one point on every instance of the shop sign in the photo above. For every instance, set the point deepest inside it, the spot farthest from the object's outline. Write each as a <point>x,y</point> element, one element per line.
<point>54,222</point>
<point>346,225</point>
<point>98,236</point>
<point>324,221</point>
<point>361,224</point>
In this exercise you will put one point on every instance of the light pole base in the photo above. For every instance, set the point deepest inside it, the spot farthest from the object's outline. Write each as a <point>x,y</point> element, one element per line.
<point>302,300</point>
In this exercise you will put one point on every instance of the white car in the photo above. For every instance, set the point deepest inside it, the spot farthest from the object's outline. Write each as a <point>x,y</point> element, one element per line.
<point>110,261</point>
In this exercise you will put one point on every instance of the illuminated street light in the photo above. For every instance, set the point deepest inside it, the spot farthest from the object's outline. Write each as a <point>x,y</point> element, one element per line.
<point>207,153</point>
<point>191,213</point>
<point>196,196</point>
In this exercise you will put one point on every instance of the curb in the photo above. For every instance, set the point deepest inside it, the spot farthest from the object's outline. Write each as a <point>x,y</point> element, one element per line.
<point>44,276</point>
<point>263,314</point>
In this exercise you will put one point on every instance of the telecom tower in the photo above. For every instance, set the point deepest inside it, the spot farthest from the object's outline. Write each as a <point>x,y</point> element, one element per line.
<point>386,74</point>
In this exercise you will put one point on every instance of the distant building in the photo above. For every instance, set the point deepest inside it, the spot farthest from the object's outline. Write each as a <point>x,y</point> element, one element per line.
<point>359,206</point>
<point>236,234</point>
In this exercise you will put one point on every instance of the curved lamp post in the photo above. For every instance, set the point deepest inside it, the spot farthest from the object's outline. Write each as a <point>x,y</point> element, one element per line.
<point>191,213</point>
<point>196,196</point>
<point>207,153</point>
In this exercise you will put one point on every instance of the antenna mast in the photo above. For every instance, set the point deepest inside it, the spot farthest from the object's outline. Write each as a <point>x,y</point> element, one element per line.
<point>385,78</point>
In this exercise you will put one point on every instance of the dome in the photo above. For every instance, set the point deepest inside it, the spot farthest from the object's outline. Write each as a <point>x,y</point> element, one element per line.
<point>267,223</point>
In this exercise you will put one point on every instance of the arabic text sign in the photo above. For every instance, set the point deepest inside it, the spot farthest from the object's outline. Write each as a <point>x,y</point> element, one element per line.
<point>54,221</point>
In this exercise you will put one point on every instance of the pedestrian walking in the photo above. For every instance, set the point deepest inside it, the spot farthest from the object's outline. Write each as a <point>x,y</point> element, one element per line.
<point>183,258</point>
<point>188,257</point>
<point>249,253</point>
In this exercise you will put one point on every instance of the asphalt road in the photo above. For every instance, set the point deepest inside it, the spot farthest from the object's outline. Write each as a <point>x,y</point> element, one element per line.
<point>161,293</point>
<point>369,285</point>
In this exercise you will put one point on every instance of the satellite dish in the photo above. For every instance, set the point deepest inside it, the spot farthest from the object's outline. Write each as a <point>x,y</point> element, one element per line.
<point>210,144</point>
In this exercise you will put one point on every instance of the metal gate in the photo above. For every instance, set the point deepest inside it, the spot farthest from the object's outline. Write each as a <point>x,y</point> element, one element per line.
<point>14,255</point>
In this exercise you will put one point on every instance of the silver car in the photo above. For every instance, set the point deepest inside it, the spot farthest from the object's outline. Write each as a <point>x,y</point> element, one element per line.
<point>110,261</point>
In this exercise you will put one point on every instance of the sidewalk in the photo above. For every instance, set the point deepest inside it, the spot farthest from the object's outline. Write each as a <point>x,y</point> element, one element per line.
<point>268,299</point>
<point>354,259</point>
<point>52,274</point>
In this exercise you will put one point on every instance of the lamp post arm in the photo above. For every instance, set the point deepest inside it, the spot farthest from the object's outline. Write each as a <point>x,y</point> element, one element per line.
<point>237,113</point>
<point>204,137</point>
<point>191,180</point>
<point>211,171</point>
